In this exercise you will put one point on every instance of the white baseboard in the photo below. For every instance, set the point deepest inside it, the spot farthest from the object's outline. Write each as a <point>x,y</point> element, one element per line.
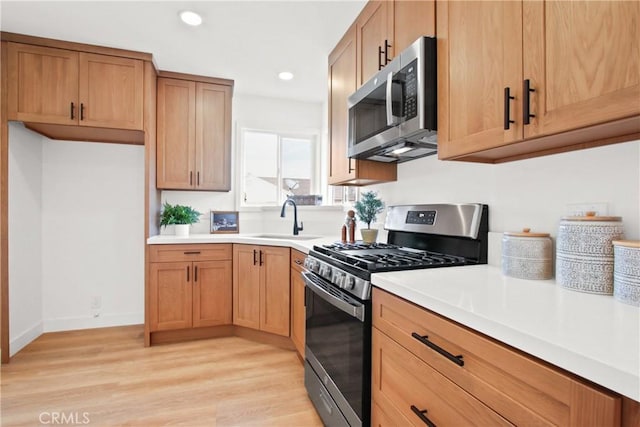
<point>103,321</point>
<point>18,343</point>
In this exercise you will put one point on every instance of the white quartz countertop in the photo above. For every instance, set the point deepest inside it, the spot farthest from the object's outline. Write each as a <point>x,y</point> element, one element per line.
<point>593,336</point>
<point>302,242</point>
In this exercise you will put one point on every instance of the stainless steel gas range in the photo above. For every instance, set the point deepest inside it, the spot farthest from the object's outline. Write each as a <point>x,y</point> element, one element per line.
<point>338,297</point>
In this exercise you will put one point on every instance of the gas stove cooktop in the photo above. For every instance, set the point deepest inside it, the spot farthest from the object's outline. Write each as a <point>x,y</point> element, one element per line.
<point>381,257</point>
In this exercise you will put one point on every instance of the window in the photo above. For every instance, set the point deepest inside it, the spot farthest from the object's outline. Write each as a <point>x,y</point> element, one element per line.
<point>276,164</point>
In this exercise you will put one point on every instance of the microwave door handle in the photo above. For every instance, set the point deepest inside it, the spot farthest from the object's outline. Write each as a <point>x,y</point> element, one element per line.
<point>391,119</point>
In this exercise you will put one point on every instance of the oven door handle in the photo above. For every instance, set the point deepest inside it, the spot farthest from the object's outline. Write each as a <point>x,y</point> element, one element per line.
<point>351,310</point>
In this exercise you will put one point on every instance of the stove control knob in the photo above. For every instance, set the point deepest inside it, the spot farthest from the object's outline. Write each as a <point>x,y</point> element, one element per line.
<point>325,271</point>
<point>349,282</point>
<point>338,279</point>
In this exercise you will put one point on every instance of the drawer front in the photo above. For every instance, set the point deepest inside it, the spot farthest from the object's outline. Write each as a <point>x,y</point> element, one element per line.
<point>421,394</point>
<point>297,260</point>
<point>521,388</point>
<point>190,252</point>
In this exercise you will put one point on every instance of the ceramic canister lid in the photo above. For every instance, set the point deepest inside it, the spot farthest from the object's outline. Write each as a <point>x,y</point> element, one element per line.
<point>627,243</point>
<point>526,232</point>
<point>591,216</point>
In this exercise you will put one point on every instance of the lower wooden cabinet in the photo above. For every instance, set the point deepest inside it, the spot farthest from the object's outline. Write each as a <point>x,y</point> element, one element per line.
<point>261,288</point>
<point>189,294</point>
<point>494,384</point>
<point>298,318</point>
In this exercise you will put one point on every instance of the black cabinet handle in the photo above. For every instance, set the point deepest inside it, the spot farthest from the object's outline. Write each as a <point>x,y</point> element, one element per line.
<point>81,111</point>
<point>190,177</point>
<point>73,107</point>
<point>387,59</point>
<point>261,259</point>
<point>188,267</point>
<point>422,416</point>
<point>254,257</point>
<point>380,53</point>
<point>298,261</point>
<point>350,168</point>
<point>507,108</point>
<point>195,273</point>
<point>198,178</point>
<point>192,252</point>
<point>424,340</point>
<point>526,94</point>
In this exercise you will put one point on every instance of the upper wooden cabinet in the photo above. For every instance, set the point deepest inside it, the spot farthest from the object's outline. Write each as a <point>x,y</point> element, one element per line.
<point>194,133</point>
<point>65,87</point>
<point>572,66</point>
<point>342,83</point>
<point>385,28</point>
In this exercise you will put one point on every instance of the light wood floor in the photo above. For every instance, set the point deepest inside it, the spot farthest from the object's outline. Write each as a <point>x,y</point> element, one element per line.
<point>110,376</point>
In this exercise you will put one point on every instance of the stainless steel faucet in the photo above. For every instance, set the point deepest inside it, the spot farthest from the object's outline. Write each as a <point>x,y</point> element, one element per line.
<point>296,229</point>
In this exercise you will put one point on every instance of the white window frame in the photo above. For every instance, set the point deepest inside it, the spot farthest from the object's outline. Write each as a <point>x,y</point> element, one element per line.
<point>281,134</point>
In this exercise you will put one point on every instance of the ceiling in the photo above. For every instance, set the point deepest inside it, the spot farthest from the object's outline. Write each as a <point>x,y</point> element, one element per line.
<point>247,41</point>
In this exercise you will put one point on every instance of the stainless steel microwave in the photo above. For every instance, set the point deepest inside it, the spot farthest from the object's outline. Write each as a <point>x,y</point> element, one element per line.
<point>392,117</point>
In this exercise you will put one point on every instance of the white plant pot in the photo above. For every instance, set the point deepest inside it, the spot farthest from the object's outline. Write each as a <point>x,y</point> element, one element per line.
<point>369,235</point>
<point>182,230</point>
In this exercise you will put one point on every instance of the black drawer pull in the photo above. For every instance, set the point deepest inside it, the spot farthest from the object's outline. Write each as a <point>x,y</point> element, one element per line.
<point>424,340</point>
<point>298,261</point>
<point>192,252</point>
<point>422,416</point>
<point>526,93</point>
<point>72,111</point>
<point>507,108</point>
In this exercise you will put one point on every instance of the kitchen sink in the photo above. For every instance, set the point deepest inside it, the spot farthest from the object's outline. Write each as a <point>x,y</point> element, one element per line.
<point>286,236</point>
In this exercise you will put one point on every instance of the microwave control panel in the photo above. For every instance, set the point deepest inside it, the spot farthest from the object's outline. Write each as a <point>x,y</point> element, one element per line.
<point>410,73</point>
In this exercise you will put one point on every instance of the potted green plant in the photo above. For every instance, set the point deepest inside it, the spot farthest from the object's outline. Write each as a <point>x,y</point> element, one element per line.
<point>180,216</point>
<point>367,210</point>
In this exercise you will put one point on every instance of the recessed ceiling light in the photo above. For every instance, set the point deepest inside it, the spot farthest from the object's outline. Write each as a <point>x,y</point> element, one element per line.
<point>191,18</point>
<point>285,75</point>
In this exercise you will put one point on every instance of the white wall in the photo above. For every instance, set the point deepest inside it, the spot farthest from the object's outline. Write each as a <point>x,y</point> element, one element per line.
<point>25,237</point>
<point>93,234</point>
<point>262,113</point>
<point>530,193</point>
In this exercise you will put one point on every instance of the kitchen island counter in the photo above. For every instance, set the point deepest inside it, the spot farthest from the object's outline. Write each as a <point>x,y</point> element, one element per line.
<point>593,336</point>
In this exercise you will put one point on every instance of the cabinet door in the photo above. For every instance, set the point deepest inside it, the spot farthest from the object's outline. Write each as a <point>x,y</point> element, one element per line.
<point>374,33</point>
<point>297,311</point>
<point>582,59</point>
<point>170,299</point>
<point>111,92</point>
<point>213,137</point>
<point>479,55</point>
<point>176,133</point>
<point>43,84</point>
<point>342,83</point>
<point>412,19</point>
<point>246,286</point>
<point>212,285</point>
<point>274,290</point>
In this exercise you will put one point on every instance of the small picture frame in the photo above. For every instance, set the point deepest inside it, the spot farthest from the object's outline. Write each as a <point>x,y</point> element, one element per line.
<point>224,222</point>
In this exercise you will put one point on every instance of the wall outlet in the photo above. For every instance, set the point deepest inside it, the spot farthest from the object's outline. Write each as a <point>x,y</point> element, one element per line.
<point>581,209</point>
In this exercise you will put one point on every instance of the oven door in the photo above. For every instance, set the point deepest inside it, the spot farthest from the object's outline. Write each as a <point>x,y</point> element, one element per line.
<point>338,348</point>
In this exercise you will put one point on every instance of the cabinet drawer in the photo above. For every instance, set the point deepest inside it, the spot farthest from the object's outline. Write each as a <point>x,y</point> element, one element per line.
<point>403,381</point>
<point>297,260</point>
<point>521,388</point>
<point>190,252</point>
